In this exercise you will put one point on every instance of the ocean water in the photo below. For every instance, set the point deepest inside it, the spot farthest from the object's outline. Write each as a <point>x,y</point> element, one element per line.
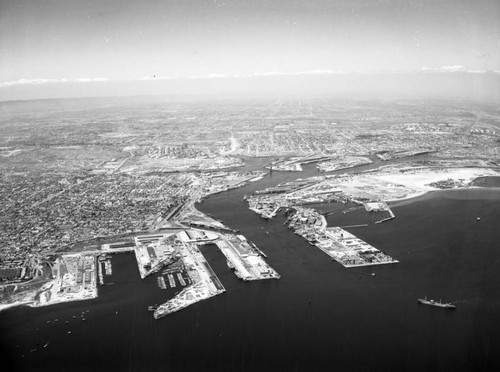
<point>318,316</point>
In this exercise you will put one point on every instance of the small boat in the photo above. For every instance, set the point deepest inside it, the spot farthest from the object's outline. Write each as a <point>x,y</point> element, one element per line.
<point>47,344</point>
<point>478,219</point>
<point>425,301</point>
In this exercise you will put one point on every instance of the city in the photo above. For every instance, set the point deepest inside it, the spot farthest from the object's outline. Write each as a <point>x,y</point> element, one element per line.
<point>72,214</point>
<point>249,185</point>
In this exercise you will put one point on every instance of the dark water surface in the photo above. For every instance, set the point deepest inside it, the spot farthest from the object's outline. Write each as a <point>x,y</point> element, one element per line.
<point>318,316</point>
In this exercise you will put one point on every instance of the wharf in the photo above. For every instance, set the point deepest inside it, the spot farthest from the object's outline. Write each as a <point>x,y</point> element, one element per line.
<point>75,280</point>
<point>161,282</point>
<point>209,227</point>
<point>339,244</point>
<point>108,268</point>
<point>100,271</point>
<point>171,281</point>
<point>350,251</point>
<point>258,250</point>
<point>386,219</point>
<point>181,279</point>
<point>153,252</point>
<point>245,259</point>
<point>205,282</point>
<point>351,226</point>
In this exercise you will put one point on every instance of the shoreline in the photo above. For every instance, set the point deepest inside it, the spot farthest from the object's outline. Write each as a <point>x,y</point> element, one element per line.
<point>410,197</point>
<point>430,193</point>
<point>15,304</point>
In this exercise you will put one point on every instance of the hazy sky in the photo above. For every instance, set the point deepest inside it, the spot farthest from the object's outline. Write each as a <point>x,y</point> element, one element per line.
<point>49,41</point>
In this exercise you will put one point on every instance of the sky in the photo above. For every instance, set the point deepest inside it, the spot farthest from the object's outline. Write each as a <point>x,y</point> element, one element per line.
<point>67,47</point>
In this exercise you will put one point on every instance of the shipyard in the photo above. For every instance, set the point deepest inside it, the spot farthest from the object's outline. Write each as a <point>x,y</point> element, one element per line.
<point>186,238</point>
<point>245,258</point>
<point>339,244</point>
<point>250,185</point>
<point>176,255</point>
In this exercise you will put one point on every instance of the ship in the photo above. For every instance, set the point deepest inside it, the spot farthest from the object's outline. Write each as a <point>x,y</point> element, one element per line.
<point>425,301</point>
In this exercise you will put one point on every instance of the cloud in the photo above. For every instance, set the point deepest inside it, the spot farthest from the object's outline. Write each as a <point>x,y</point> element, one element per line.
<point>453,68</point>
<point>49,81</point>
<point>306,72</point>
<point>30,82</point>
<point>477,71</point>
<point>154,77</point>
<point>442,69</point>
<point>87,80</point>
<point>456,68</point>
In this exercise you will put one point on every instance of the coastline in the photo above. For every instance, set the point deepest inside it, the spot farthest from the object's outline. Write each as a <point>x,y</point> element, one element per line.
<point>14,304</point>
<point>410,197</point>
<point>430,193</point>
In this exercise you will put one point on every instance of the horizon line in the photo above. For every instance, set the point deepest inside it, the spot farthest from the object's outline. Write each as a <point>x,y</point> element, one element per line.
<point>427,70</point>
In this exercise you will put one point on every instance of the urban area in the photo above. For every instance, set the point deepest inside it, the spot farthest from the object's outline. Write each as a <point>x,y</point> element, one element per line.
<point>77,189</point>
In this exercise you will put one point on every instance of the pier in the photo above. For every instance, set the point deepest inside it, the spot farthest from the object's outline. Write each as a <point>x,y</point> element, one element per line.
<point>171,281</point>
<point>181,279</point>
<point>161,282</point>
<point>245,259</point>
<point>350,226</point>
<point>205,282</point>
<point>339,244</point>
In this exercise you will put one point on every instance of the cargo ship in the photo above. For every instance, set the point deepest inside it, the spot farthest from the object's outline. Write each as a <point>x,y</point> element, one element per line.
<point>425,301</point>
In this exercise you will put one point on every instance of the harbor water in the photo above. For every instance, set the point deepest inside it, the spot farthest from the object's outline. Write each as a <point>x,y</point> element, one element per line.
<point>318,316</point>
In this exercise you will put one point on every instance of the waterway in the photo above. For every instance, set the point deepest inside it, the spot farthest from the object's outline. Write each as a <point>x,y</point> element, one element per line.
<point>318,316</point>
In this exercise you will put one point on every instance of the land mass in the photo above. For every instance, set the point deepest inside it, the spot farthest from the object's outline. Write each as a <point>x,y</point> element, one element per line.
<point>77,188</point>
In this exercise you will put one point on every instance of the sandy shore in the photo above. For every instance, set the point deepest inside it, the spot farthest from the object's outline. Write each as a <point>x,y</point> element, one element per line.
<point>14,304</point>
<point>394,186</point>
<point>420,178</point>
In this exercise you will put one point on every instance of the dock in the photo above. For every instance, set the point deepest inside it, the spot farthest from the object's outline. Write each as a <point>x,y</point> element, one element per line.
<point>246,259</point>
<point>347,227</point>
<point>181,279</point>
<point>339,244</point>
<point>171,281</point>
<point>258,250</point>
<point>205,283</point>
<point>161,282</point>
